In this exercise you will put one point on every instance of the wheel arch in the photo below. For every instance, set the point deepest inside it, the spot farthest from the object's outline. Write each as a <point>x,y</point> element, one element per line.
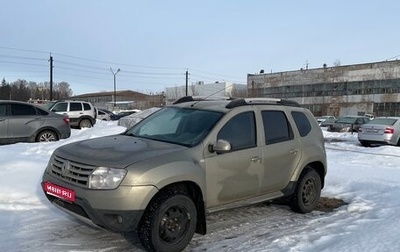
<point>319,167</point>
<point>39,131</point>
<point>192,190</point>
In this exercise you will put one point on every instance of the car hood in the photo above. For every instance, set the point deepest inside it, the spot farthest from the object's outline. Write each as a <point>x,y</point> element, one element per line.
<point>117,151</point>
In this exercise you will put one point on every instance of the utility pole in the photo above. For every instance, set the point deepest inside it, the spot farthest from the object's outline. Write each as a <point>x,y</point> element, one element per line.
<point>51,77</point>
<point>187,81</point>
<point>115,86</point>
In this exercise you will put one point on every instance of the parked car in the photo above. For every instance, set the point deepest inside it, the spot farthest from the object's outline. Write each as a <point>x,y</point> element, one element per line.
<point>321,119</point>
<point>328,122</point>
<point>380,130</point>
<point>113,116</point>
<point>81,114</point>
<point>103,115</point>
<point>126,113</point>
<point>130,120</point>
<point>25,122</point>
<point>348,124</point>
<point>164,174</point>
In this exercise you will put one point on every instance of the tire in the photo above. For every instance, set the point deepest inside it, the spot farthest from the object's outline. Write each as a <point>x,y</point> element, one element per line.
<point>365,144</point>
<point>47,136</point>
<point>308,191</point>
<point>85,123</point>
<point>169,222</point>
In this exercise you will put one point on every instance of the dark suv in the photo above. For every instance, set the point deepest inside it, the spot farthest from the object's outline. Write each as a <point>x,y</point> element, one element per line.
<point>164,174</point>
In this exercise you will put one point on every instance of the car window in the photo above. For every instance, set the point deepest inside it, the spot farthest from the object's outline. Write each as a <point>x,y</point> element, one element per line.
<point>302,123</point>
<point>75,106</point>
<point>41,111</point>
<point>176,125</point>
<point>22,109</point>
<point>240,131</point>
<point>3,109</point>
<point>276,127</point>
<point>86,106</point>
<point>60,107</point>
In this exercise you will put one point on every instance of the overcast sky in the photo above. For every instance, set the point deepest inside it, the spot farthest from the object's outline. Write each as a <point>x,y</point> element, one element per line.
<point>155,42</point>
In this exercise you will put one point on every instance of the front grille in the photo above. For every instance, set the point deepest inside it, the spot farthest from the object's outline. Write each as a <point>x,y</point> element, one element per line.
<point>73,172</point>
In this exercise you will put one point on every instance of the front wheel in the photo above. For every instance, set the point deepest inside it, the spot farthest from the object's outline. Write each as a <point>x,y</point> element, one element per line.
<point>168,223</point>
<point>308,191</point>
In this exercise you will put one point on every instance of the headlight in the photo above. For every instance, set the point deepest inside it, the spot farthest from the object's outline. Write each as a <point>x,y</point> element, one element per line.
<point>106,178</point>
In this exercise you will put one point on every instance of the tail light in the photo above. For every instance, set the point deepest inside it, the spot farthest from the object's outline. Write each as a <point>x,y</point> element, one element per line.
<point>389,130</point>
<point>66,119</point>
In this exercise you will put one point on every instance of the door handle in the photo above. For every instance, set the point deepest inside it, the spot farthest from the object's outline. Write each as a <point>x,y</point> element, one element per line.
<point>293,151</point>
<point>256,159</point>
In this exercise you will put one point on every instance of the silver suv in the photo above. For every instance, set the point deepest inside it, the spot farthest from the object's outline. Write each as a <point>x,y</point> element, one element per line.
<point>81,114</point>
<point>162,176</point>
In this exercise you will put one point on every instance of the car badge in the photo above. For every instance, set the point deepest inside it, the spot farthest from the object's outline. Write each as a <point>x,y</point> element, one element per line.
<point>65,168</point>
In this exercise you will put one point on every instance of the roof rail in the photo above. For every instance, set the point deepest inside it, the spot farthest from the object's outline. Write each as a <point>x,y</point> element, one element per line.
<point>200,98</point>
<point>261,101</point>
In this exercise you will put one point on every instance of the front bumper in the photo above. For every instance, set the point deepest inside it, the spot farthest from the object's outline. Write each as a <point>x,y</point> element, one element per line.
<point>116,210</point>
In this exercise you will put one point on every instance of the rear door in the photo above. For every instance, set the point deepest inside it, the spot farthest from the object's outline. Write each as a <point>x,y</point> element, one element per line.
<point>23,122</point>
<point>281,152</point>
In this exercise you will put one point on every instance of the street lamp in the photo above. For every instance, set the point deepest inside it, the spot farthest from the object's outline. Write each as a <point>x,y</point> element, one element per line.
<point>115,85</point>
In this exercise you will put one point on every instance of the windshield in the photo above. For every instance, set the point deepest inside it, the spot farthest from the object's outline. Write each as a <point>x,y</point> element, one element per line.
<point>184,126</point>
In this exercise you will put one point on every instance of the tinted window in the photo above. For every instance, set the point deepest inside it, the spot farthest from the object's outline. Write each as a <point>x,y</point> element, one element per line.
<point>22,109</point>
<point>86,106</point>
<point>75,106</point>
<point>276,127</point>
<point>3,109</point>
<point>240,131</point>
<point>302,123</point>
<point>60,107</point>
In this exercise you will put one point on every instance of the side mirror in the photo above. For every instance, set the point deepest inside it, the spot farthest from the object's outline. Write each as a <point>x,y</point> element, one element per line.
<point>221,146</point>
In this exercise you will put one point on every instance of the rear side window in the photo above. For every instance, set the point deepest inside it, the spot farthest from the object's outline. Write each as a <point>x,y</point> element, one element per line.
<point>302,123</point>
<point>276,127</point>
<point>22,109</point>
<point>75,106</point>
<point>86,106</point>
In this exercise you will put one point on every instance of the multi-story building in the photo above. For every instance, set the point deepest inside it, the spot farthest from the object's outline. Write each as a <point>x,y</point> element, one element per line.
<point>371,88</point>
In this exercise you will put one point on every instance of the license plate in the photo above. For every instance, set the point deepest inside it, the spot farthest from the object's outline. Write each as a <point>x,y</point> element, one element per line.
<point>372,130</point>
<point>59,192</point>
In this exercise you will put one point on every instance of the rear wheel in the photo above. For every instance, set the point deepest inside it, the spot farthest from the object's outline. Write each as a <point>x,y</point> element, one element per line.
<point>365,143</point>
<point>47,136</point>
<point>308,191</point>
<point>85,123</point>
<point>168,223</point>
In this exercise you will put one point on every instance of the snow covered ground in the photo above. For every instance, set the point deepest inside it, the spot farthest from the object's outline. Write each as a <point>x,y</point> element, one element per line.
<point>368,179</point>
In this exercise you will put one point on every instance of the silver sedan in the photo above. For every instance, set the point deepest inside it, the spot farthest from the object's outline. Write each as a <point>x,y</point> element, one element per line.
<point>24,122</point>
<point>381,130</point>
